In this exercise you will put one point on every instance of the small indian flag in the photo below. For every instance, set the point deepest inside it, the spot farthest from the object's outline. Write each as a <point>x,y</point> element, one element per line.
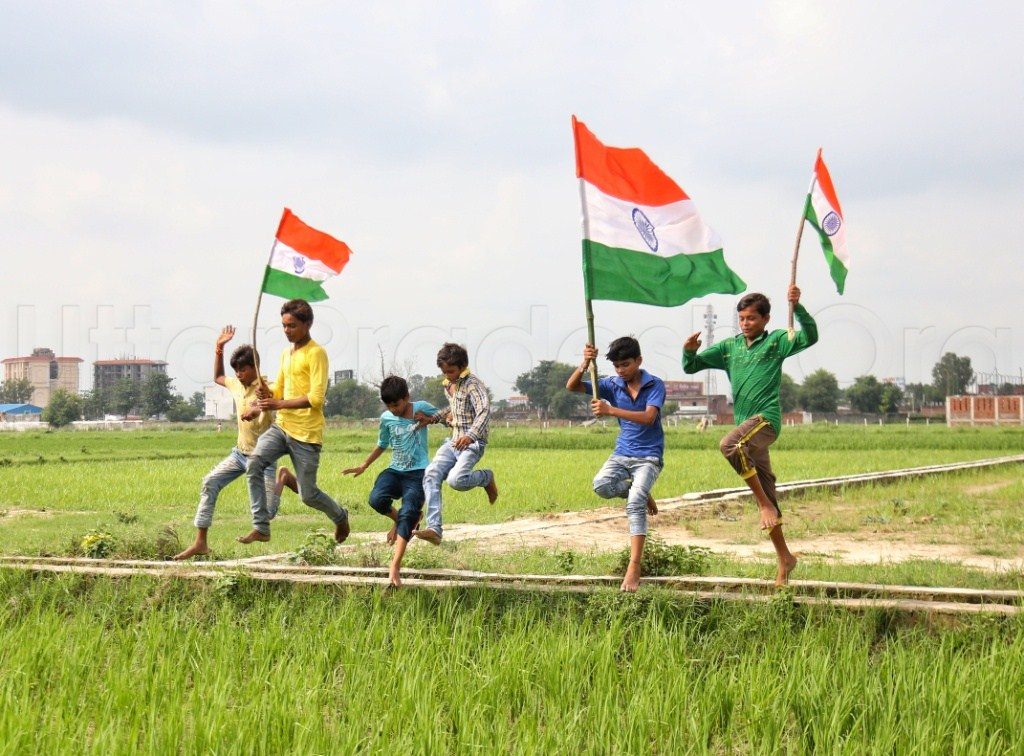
<point>301,259</point>
<point>825,214</point>
<point>643,239</point>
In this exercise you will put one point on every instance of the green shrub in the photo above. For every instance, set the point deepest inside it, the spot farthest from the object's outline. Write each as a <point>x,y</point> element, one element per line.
<point>661,559</point>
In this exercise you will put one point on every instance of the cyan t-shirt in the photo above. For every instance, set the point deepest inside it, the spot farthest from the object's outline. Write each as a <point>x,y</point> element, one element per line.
<point>636,439</point>
<point>408,445</point>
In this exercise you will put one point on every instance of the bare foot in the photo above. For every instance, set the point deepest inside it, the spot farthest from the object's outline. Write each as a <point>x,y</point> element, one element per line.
<point>394,579</point>
<point>786,567</point>
<point>254,535</point>
<point>428,535</point>
<point>632,579</point>
<point>392,535</point>
<point>196,549</point>
<point>769,517</point>
<point>341,530</point>
<point>652,505</point>
<point>492,491</point>
<point>285,479</point>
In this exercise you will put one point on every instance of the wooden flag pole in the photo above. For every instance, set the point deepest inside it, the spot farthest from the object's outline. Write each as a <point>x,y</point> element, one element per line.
<point>590,340</point>
<point>796,248</point>
<point>256,316</point>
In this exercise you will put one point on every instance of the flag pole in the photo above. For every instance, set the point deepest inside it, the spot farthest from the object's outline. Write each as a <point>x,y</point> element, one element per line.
<point>256,316</point>
<point>591,338</point>
<point>796,247</point>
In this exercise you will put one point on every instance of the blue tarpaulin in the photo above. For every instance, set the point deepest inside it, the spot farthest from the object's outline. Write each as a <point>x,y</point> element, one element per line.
<point>20,409</point>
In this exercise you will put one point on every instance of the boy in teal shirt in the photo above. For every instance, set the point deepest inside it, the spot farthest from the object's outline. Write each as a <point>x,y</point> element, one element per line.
<point>753,361</point>
<point>402,429</point>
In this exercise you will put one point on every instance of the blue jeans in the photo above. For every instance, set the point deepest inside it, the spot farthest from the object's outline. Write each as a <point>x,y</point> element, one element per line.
<point>457,468</point>
<point>629,478</point>
<point>406,485</point>
<point>274,444</point>
<point>230,468</point>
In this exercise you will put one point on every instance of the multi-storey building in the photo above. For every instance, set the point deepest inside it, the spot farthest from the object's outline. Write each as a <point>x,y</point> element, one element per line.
<point>45,371</point>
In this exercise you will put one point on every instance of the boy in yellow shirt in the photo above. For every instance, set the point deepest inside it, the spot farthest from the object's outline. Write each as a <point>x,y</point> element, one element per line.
<point>298,398</point>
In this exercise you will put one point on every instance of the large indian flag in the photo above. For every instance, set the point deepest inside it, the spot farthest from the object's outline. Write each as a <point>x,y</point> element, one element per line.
<point>825,214</point>
<point>301,259</point>
<point>643,239</point>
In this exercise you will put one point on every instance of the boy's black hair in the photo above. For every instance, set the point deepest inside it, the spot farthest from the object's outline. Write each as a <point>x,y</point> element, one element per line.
<point>299,309</point>
<point>756,300</point>
<point>623,348</point>
<point>243,357</point>
<point>393,388</point>
<point>453,354</point>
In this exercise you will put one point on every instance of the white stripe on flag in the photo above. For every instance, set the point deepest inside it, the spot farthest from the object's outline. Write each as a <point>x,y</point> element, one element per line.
<point>288,260</point>
<point>677,226</point>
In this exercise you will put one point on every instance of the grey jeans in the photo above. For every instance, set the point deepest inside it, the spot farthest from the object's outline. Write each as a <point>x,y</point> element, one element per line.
<point>629,478</point>
<point>231,467</point>
<point>273,444</point>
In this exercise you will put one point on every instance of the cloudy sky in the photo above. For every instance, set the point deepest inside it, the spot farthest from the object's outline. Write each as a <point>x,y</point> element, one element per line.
<point>147,154</point>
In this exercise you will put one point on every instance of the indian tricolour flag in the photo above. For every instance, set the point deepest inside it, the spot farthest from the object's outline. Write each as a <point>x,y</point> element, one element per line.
<point>825,214</point>
<point>643,239</point>
<point>301,259</point>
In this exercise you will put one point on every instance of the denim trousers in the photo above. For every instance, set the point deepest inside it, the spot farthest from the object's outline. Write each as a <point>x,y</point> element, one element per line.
<point>406,485</point>
<point>629,478</point>
<point>457,468</point>
<point>227,470</point>
<point>274,444</point>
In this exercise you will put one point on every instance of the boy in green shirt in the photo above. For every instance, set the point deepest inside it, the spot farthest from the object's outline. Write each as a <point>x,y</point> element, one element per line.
<point>753,362</point>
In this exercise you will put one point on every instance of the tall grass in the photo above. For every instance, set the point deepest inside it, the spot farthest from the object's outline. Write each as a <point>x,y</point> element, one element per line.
<point>97,666</point>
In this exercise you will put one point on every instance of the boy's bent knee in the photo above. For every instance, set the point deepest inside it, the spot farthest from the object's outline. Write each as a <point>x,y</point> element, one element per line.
<point>606,489</point>
<point>380,504</point>
<point>460,482</point>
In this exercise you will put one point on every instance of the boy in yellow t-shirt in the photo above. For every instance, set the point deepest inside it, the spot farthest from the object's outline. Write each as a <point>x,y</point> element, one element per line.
<point>251,424</point>
<point>298,398</point>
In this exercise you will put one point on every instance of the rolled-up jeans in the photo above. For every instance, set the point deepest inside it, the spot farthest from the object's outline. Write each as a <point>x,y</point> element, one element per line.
<point>272,445</point>
<point>629,478</point>
<point>457,468</point>
<point>227,470</point>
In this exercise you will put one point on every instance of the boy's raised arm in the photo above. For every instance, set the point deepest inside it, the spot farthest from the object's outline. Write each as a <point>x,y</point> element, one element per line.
<point>712,358</point>
<point>226,334</point>
<point>575,382</point>
<point>808,333</point>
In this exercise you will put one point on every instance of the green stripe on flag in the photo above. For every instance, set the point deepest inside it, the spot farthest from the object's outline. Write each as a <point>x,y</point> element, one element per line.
<point>835,266</point>
<point>282,284</point>
<point>625,275</point>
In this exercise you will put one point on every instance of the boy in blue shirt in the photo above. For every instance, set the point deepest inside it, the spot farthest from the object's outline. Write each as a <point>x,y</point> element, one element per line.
<point>402,429</point>
<point>635,398</point>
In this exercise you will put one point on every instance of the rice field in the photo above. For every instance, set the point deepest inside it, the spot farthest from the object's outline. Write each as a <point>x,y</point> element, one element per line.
<point>59,486</point>
<point>148,666</point>
<point>158,665</point>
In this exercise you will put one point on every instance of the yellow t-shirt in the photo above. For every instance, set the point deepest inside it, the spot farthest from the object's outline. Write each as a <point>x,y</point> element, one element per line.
<point>248,430</point>
<point>303,372</point>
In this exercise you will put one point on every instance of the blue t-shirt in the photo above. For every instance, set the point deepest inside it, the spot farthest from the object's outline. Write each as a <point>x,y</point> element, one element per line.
<point>408,445</point>
<point>635,439</point>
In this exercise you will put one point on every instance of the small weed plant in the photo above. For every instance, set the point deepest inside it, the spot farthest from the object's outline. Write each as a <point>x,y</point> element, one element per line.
<point>662,559</point>
<point>97,544</point>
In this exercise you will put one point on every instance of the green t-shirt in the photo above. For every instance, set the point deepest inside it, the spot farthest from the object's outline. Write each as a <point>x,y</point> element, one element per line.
<point>755,372</point>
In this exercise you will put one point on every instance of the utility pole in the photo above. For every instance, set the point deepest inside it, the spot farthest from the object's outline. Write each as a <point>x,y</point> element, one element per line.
<point>709,379</point>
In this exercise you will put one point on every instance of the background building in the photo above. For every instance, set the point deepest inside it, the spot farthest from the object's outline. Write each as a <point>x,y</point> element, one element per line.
<point>106,373</point>
<point>46,372</point>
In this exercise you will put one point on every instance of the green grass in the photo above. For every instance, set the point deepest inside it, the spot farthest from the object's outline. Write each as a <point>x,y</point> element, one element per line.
<point>100,480</point>
<point>143,665</point>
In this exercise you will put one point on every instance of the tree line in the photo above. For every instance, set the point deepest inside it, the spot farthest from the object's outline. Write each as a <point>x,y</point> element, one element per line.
<point>543,386</point>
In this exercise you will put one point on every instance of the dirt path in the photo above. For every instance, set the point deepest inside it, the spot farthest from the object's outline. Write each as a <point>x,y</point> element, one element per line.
<point>604,529</point>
